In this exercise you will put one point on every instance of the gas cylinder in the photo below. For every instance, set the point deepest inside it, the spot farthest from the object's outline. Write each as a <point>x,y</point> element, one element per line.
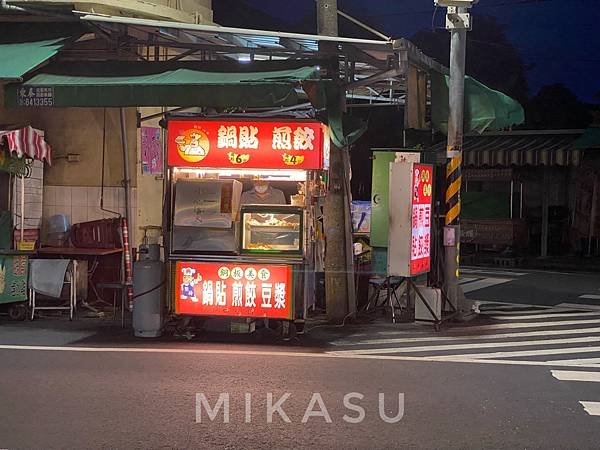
<point>148,289</point>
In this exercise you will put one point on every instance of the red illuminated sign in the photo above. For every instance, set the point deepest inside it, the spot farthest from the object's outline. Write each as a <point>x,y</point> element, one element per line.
<point>420,249</point>
<point>245,144</point>
<point>238,290</point>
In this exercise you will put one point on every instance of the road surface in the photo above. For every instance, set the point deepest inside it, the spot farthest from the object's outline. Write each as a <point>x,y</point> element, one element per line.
<point>525,375</point>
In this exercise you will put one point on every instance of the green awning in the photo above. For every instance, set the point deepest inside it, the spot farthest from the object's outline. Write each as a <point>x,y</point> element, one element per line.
<point>150,84</point>
<point>485,108</point>
<point>26,46</point>
<point>184,84</point>
<point>589,139</point>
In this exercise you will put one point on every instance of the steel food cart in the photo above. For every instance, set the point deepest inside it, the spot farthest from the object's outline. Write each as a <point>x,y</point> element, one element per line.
<point>234,250</point>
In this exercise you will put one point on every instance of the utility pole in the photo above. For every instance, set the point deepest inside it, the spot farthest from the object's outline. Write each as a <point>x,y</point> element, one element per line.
<point>339,298</point>
<point>458,21</point>
<point>327,17</point>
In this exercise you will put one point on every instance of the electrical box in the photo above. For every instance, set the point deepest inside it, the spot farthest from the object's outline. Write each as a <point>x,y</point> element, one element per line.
<point>380,189</point>
<point>434,299</point>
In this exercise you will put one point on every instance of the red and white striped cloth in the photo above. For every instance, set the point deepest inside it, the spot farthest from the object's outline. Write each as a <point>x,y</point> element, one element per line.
<point>27,141</point>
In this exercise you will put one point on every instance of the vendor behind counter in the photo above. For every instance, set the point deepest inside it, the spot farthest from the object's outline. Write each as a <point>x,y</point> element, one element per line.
<point>262,193</point>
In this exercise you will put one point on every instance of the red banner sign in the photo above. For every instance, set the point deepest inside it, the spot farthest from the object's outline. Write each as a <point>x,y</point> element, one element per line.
<point>244,144</point>
<point>237,290</point>
<point>422,191</point>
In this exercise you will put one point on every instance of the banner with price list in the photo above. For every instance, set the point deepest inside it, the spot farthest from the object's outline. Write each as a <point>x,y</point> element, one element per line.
<point>243,144</point>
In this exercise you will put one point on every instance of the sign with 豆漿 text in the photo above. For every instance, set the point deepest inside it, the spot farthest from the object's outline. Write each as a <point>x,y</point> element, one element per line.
<point>410,217</point>
<point>420,246</point>
<point>236,290</point>
<point>245,144</point>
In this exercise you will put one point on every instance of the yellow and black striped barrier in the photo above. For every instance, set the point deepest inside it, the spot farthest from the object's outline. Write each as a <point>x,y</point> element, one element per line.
<point>453,183</point>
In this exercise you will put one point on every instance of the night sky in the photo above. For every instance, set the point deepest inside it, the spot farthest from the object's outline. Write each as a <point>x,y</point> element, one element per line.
<point>559,40</point>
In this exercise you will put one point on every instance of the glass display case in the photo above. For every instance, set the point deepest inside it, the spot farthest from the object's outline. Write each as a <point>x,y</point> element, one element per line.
<point>268,229</point>
<point>204,215</point>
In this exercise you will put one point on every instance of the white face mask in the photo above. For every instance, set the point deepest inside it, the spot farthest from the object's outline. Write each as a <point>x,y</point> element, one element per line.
<point>261,188</point>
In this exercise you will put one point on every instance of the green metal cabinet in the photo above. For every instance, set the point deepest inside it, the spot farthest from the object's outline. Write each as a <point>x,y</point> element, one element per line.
<point>380,197</point>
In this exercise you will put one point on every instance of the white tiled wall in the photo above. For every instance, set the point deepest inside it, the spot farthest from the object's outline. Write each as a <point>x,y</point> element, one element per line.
<point>82,204</point>
<point>33,197</point>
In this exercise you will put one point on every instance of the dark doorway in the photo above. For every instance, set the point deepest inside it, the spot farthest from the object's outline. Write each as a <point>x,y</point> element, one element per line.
<point>4,190</point>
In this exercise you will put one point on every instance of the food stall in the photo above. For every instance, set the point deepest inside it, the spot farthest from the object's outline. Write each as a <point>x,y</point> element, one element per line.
<point>243,202</point>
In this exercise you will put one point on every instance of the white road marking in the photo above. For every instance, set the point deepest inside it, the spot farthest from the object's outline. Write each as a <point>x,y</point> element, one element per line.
<point>578,361</point>
<point>546,316</point>
<point>470,346</point>
<point>485,283</point>
<point>464,280</point>
<point>592,408</point>
<point>499,326</point>
<point>468,337</point>
<point>590,296</point>
<point>493,272</point>
<point>529,271</point>
<point>532,312</point>
<point>579,306</point>
<point>552,351</point>
<point>495,305</point>
<point>331,355</point>
<point>574,375</point>
<point>504,326</point>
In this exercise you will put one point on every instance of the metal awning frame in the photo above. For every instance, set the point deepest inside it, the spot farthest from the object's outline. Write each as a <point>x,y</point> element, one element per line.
<point>374,71</point>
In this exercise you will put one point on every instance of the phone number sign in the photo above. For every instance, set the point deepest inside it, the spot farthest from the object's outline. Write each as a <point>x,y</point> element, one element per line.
<point>420,249</point>
<point>236,290</point>
<point>35,96</point>
<point>245,144</point>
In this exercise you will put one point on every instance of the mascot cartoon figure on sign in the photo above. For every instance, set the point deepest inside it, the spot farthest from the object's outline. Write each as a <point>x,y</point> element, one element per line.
<point>192,145</point>
<point>189,281</point>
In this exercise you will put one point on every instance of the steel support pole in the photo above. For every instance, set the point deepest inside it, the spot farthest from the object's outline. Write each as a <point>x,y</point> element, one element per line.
<point>593,215</point>
<point>127,256</point>
<point>126,170</point>
<point>545,218</point>
<point>458,44</point>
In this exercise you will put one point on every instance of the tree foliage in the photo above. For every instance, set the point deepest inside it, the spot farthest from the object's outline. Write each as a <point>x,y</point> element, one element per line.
<point>556,107</point>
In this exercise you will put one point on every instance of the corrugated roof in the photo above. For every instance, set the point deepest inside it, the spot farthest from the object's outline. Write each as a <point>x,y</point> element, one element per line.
<point>520,148</point>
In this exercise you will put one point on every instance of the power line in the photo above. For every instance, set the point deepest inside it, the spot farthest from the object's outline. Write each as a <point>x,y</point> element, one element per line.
<point>477,7</point>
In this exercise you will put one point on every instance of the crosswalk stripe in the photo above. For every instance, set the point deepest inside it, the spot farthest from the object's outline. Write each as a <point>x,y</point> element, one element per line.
<point>590,296</point>
<point>546,316</point>
<point>579,306</point>
<point>534,313</point>
<point>592,408</point>
<point>578,361</point>
<point>467,337</point>
<point>513,306</point>
<point>501,326</point>
<point>465,280</point>
<point>484,283</point>
<point>553,351</point>
<point>471,346</point>
<point>574,375</point>
<point>488,272</point>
